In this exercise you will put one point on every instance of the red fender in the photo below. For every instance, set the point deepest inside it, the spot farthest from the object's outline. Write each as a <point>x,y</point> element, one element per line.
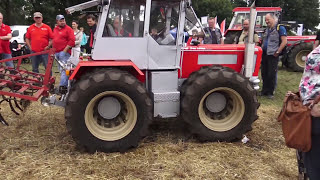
<point>128,65</point>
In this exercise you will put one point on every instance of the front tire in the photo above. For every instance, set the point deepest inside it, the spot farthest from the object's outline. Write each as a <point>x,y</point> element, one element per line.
<point>219,105</point>
<point>108,110</point>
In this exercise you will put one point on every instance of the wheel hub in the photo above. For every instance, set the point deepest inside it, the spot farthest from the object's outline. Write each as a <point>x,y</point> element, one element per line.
<point>221,109</point>
<point>216,102</point>
<point>304,58</point>
<point>109,108</point>
<point>111,115</point>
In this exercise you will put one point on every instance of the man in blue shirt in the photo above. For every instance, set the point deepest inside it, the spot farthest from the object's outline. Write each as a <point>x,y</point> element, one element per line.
<point>274,42</point>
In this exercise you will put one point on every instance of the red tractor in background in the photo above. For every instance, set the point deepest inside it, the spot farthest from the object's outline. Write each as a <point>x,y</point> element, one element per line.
<point>298,46</point>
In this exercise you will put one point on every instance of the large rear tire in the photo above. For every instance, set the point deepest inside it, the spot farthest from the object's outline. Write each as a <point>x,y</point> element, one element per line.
<point>298,56</point>
<point>108,110</point>
<point>219,105</point>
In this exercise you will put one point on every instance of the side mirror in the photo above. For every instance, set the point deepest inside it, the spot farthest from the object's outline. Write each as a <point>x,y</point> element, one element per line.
<point>105,2</point>
<point>15,33</point>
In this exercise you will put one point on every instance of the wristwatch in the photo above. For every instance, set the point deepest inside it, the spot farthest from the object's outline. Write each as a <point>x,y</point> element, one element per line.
<point>277,52</point>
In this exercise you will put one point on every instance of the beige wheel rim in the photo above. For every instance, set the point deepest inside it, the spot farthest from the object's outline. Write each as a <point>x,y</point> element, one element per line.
<point>111,129</point>
<point>228,118</point>
<point>301,58</point>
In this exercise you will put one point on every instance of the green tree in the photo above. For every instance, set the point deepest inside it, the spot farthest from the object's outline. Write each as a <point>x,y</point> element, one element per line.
<point>21,11</point>
<point>239,3</point>
<point>13,11</point>
<point>220,8</point>
<point>50,9</point>
<point>310,14</point>
<point>303,11</point>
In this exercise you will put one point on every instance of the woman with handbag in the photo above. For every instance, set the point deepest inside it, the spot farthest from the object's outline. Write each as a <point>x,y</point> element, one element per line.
<point>309,91</point>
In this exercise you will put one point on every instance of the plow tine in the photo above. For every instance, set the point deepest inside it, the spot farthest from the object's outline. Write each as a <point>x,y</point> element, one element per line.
<point>3,121</point>
<point>17,105</point>
<point>12,108</point>
<point>19,86</point>
<point>3,100</point>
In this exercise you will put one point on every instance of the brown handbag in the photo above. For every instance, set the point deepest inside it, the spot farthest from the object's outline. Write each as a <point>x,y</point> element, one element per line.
<point>315,110</point>
<point>296,123</point>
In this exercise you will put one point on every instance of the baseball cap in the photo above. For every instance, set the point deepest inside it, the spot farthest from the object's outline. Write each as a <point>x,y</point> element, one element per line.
<point>37,14</point>
<point>59,17</point>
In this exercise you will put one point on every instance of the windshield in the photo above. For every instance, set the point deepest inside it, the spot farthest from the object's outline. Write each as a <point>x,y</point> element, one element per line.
<point>164,18</point>
<point>192,22</point>
<point>240,17</point>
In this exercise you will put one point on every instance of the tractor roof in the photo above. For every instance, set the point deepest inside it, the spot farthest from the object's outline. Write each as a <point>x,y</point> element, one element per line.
<point>259,9</point>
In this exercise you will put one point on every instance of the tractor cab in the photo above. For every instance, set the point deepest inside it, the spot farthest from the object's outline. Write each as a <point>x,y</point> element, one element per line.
<point>149,33</point>
<point>242,13</point>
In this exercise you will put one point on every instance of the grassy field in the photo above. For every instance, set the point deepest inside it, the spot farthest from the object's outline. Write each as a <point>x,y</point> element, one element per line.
<point>36,145</point>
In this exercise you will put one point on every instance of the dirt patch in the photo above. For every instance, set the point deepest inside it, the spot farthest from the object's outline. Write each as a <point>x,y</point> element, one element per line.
<point>37,146</point>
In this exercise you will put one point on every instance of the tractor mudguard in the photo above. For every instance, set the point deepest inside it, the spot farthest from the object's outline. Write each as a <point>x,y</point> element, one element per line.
<point>289,48</point>
<point>85,66</point>
<point>288,51</point>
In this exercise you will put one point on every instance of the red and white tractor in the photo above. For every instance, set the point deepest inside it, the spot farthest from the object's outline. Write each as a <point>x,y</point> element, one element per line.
<point>298,47</point>
<point>133,76</point>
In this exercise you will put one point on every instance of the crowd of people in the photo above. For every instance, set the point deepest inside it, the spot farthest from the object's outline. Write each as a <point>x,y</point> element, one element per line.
<point>67,41</point>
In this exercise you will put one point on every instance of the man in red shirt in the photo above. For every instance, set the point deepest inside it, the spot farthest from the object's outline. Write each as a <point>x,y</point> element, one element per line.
<point>5,36</point>
<point>38,38</point>
<point>63,41</point>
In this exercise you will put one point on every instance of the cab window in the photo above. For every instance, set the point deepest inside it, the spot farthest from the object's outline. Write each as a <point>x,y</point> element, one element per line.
<point>164,22</point>
<point>125,19</point>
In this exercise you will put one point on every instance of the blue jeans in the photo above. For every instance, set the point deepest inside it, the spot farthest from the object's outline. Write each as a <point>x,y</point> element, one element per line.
<point>62,56</point>
<point>37,60</point>
<point>312,158</point>
<point>8,56</point>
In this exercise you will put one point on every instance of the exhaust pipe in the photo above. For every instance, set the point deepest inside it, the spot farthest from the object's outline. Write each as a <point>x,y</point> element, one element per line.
<point>250,46</point>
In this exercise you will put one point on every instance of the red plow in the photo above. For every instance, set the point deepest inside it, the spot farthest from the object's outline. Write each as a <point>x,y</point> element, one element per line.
<point>18,86</point>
